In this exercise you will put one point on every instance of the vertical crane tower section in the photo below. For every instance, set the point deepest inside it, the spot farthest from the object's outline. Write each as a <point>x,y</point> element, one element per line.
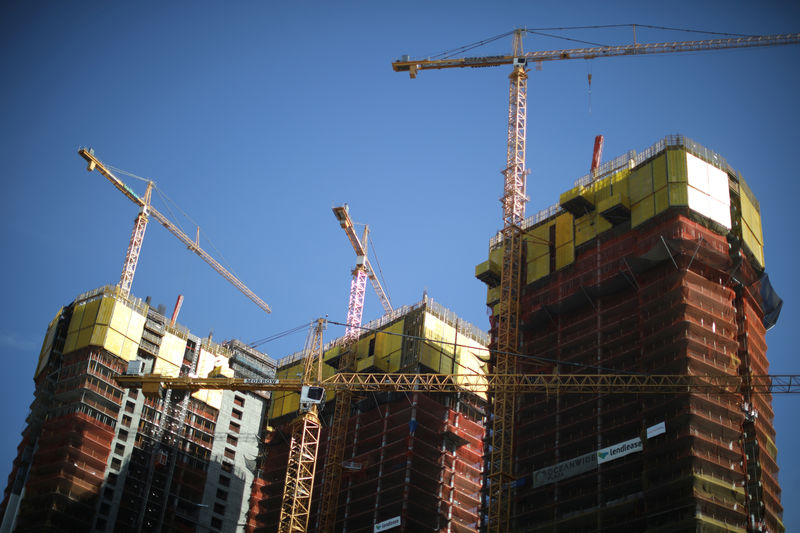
<point>140,225</point>
<point>500,475</point>
<point>304,445</point>
<point>135,246</point>
<point>513,201</point>
<point>333,466</point>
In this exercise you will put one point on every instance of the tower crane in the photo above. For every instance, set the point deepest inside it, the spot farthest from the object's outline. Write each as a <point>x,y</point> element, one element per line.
<point>140,225</point>
<point>299,485</point>
<point>513,201</point>
<point>364,270</point>
<point>338,428</point>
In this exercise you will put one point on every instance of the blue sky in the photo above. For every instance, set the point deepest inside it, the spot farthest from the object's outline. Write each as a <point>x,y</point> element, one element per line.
<point>256,118</point>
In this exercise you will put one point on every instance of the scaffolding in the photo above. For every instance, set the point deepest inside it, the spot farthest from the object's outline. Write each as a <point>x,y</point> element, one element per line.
<point>413,457</point>
<point>629,274</point>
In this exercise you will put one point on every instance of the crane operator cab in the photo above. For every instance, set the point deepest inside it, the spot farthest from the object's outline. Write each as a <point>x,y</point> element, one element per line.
<point>310,396</point>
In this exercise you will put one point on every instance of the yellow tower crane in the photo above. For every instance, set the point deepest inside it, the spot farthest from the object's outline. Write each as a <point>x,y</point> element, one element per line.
<point>299,485</point>
<point>513,201</point>
<point>298,491</point>
<point>140,225</point>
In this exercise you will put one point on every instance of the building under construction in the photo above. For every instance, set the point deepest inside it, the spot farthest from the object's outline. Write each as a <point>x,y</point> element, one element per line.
<point>652,264</point>
<point>413,460</point>
<point>95,457</point>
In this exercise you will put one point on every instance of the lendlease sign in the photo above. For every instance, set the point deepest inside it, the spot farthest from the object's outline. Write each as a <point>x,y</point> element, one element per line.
<point>586,462</point>
<point>619,450</point>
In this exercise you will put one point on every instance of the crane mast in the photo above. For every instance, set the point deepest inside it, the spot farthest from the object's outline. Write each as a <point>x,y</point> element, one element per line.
<point>500,465</point>
<point>332,474</point>
<point>299,482</point>
<point>147,210</point>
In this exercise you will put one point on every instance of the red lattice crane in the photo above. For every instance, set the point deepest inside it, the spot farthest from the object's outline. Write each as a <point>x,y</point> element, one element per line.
<point>338,429</point>
<point>140,225</point>
<point>500,465</point>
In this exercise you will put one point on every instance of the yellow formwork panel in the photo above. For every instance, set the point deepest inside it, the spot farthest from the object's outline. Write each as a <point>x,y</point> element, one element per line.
<point>291,403</point>
<point>106,308</point>
<point>468,356</point>
<point>437,330</point>
<point>392,345</point>
<point>121,318</point>
<point>286,402</point>
<point>602,224</point>
<point>162,366</point>
<point>751,215</point>
<point>752,244</point>
<point>642,211</point>
<point>640,183</point>
<point>75,321</point>
<point>496,256</point>
<point>487,266</point>
<point>566,196</point>
<point>493,294</point>
<point>468,361</point>
<point>201,395</point>
<point>618,198</point>
<point>537,269</point>
<point>564,229</point>
<point>678,194</point>
<point>659,172</point>
<point>676,166</point>
<point>589,193</point>
<point>619,182</point>
<point>755,227</point>
<point>538,241</point>
<point>772,450</point>
<point>99,333</point>
<point>276,404</point>
<point>585,229</point>
<point>129,349</point>
<point>135,326</point>
<point>84,338</point>
<point>720,490</point>
<point>214,398</point>
<point>661,198</point>
<point>433,359</point>
<point>565,255</point>
<point>362,346</point>
<point>114,341</point>
<point>172,349</point>
<point>70,341</point>
<point>601,189</point>
<point>372,361</point>
<point>205,362</point>
<point>334,351</point>
<point>47,344</point>
<point>90,313</point>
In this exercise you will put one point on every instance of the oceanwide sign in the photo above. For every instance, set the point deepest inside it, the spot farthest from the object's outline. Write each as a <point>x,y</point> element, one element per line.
<point>589,461</point>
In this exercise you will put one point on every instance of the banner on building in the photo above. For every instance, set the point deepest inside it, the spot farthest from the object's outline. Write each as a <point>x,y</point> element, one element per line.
<point>387,524</point>
<point>619,450</point>
<point>564,469</point>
